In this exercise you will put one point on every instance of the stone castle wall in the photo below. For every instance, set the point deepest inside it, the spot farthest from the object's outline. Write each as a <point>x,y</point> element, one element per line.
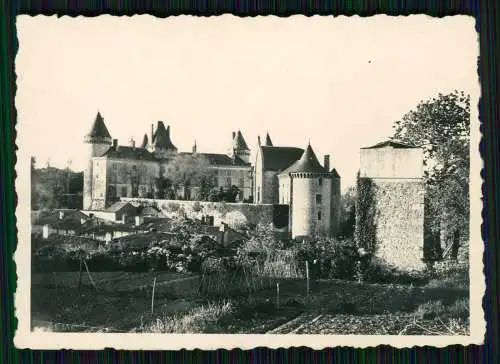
<point>254,214</point>
<point>397,214</point>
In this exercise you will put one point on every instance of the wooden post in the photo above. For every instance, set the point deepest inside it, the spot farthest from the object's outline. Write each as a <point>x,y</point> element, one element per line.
<point>307,278</point>
<point>277,296</point>
<point>88,272</point>
<point>80,276</point>
<point>153,296</point>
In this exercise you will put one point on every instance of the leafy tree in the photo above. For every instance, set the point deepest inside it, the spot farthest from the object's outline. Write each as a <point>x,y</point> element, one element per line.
<point>441,126</point>
<point>163,188</point>
<point>348,213</point>
<point>232,194</point>
<point>190,170</point>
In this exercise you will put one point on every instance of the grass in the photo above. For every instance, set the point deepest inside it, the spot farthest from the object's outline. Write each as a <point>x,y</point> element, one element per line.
<point>440,307</point>
<point>204,319</point>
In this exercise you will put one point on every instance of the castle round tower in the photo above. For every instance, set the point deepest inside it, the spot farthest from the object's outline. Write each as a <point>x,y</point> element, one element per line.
<point>98,141</point>
<point>311,191</point>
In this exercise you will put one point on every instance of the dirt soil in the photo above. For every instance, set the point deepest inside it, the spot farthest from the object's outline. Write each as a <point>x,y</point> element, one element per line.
<point>122,302</point>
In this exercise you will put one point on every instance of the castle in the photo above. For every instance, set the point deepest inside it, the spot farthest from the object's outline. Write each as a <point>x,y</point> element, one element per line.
<point>287,176</point>
<point>390,211</point>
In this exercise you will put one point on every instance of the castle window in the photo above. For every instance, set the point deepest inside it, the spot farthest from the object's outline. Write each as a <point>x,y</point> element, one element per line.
<point>318,199</point>
<point>228,182</point>
<point>319,215</point>
<point>242,182</point>
<point>320,181</point>
<point>124,191</point>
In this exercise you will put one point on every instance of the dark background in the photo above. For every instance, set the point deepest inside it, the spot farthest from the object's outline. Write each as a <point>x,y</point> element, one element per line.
<point>486,13</point>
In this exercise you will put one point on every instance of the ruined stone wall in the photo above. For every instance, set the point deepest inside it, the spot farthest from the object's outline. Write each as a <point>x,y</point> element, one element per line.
<point>394,213</point>
<point>255,214</point>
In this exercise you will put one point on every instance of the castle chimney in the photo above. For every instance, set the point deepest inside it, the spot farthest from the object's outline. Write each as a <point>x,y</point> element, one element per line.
<point>258,140</point>
<point>234,135</point>
<point>194,147</point>
<point>152,132</point>
<point>115,143</point>
<point>132,143</point>
<point>326,164</point>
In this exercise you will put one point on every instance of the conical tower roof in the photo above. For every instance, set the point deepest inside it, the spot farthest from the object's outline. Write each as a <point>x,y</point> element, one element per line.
<point>308,163</point>
<point>239,142</point>
<point>99,129</point>
<point>161,138</point>
<point>269,142</point>
<point>145,142</point>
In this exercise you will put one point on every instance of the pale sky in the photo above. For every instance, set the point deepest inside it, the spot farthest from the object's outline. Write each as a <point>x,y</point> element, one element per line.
<point>339,83</point>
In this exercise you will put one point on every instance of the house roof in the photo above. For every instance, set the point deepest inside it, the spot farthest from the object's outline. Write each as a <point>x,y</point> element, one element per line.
<point>239,142</point>
<point>279,158</point>
<point>68,215</point>
<point>118,206</point>
<point>308,163</point>
<point>393,144</point>
<point>269,142</point>
<point>99,129</point>
<point>335,173</point>
<point>126,152</point>
<point>220,159</point>
<point>161,137</point>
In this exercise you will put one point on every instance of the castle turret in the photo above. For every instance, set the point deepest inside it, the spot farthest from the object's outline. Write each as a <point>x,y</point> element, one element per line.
<point>162,144</point>
<point>269,143</point>
<point>98,141</point>
<point>240,148</point>
<point>310,186</point>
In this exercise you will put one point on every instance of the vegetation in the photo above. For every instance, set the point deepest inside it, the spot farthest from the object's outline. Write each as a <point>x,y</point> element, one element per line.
<point>365,232</point>
<point>54,188</point>
<point>441,126</point>
<point>191,170</point>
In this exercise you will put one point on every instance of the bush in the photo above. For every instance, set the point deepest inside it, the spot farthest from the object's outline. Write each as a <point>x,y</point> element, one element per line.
<point>236,220</point>
<point>329,258</point>
<point>197,207</point>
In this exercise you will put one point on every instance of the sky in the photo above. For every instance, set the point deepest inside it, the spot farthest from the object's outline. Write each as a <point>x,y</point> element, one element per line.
<point>338,83</point>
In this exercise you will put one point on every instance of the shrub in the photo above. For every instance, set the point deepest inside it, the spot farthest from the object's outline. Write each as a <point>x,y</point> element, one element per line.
<point>329,258</point>
<point>236,220</point>
<point>173,207</point>
<point>197,207</point>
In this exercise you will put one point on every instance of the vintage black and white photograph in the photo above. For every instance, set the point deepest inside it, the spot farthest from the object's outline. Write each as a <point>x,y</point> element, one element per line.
<point>294,179</point>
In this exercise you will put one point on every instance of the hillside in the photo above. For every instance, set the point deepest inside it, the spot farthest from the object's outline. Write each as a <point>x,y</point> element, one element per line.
<point>53,188</point>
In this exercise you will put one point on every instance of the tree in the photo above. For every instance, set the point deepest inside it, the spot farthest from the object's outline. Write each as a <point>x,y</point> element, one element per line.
<point>441,126</point>
<point>190,170</point>
<point>163,188</point>
<point>348,213</point>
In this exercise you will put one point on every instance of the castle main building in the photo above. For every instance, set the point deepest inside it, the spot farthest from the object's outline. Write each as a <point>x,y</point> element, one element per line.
<point>115,171</point>
<point>286,176</point>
